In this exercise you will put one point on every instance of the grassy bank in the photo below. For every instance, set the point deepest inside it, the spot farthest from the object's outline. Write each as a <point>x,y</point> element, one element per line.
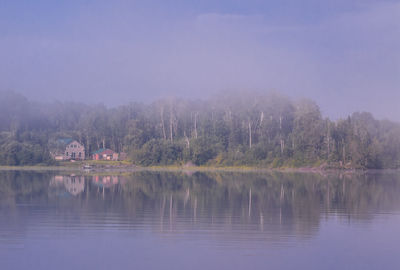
<point>124,166</point>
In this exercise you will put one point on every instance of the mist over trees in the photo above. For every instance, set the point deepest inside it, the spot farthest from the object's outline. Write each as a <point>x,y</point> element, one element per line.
<point>266,130</point>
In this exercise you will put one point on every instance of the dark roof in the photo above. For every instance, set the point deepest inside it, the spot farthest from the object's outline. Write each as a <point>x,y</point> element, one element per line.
<point>98,151</point>
<point>103,151</point>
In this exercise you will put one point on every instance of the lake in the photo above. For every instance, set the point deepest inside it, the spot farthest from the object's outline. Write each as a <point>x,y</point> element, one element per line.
<point>193,220</point>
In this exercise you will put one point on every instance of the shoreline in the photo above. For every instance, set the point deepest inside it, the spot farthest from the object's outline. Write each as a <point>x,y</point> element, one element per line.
<point>124,168</point>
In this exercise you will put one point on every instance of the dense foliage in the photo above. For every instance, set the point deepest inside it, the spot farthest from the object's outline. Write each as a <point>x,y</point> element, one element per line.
<point>235,129</point>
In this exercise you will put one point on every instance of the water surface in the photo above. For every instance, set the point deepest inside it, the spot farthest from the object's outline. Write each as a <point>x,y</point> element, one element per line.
<point>155,220</point>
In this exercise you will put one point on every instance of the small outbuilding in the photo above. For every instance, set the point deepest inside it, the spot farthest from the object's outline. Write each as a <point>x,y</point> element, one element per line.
<point>104,154</point>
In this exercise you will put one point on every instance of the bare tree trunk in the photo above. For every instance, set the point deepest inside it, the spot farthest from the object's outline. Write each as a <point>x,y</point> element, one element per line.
<point>187,140</point>
<point>261,118</point>
<point>87,148</point>
<point>162,123</point>
<point>175,125</point>
<point>195,125</point>
<point>249,134</point>
<point>344,153</point>
<point>328,140</point>
<point>260,125</point>
<point>104,142</point>
<point>171,124</point>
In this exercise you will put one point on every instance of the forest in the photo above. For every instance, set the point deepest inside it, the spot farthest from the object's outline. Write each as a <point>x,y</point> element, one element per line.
<point>230,129</point>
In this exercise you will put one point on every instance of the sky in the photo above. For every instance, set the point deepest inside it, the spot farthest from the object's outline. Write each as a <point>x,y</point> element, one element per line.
<point>344,54</point>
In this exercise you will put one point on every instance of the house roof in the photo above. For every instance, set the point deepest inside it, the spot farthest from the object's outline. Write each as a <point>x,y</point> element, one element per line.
<point>75,142</point>
<point>65,140</point>
<point>98,151</point>
<point>103,151</point>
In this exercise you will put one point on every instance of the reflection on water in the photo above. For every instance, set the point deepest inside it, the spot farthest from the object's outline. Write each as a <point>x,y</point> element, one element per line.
<point>72,184</point>
<point>227,210</point>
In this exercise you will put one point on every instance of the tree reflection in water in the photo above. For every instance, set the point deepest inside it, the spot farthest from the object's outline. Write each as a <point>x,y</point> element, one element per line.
<point>273,205</point>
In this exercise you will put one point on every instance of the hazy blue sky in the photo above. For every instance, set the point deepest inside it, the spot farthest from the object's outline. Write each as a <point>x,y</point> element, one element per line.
<point>344,54</point>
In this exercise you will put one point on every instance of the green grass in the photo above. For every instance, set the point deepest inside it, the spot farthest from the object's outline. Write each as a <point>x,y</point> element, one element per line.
<point>101,166</point>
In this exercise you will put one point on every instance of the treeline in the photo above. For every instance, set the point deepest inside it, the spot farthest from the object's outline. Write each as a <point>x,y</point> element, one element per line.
<point>266,130</point>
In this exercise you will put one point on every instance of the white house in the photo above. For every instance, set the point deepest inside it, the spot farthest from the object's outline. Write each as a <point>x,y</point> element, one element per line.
<point>68,149</point>
<point>75,151</point>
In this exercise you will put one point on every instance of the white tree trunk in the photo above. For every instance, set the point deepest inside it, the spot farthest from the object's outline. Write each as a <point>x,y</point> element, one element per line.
<point>171,124</point>
<point>163,124</point>
<point>249,134</point>
<point>195,125</point>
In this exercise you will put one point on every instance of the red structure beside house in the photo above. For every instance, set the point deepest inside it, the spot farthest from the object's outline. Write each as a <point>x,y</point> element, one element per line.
<point>105,154</point>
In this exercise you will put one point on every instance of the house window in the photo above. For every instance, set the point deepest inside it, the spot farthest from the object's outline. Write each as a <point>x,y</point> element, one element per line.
<point>80,154</point>
<point>67,154</point>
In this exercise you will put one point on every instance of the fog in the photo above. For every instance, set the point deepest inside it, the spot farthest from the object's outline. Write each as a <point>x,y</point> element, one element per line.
<point>345,55</point>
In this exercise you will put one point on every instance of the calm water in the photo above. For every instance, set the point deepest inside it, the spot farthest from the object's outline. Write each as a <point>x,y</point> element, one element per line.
<point>152,220</point>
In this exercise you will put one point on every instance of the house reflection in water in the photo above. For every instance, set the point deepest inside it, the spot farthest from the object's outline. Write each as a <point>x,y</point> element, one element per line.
<point>105,181</point>
<point>73,184</point>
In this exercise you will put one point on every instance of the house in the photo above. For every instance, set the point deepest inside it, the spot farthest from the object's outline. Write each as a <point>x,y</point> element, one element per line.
<point>74,151</point>
<point>68,149</point>
<point>105,154</point>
